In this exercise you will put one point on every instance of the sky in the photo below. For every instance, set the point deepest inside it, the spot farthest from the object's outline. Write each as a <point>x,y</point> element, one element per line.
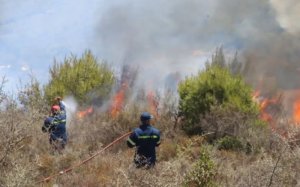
<point>160,37</point>
<point>34,32</point>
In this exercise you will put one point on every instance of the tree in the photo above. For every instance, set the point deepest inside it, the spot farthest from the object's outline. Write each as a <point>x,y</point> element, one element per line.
<point>235,66</point>
<point>84,78</point>
<point>215,86</point>
<point>31,96</point>
<point>218,59</point>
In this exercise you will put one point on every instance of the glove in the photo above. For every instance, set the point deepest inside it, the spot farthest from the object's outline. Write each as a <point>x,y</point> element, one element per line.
<point>44,129</point>
<point>58,98</point>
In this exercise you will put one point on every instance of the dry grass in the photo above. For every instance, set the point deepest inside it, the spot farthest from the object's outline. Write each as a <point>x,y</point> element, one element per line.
<point>257,169</point>
<point>114,167</point>
<point>26,156</point>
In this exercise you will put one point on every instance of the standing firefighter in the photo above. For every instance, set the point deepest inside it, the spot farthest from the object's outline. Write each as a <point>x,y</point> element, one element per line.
<point>145,138</point>
<point>55,125</point>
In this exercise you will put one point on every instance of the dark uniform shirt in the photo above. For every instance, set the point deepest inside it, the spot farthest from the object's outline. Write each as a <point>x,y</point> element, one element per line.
<point>56,125</point>
<point>145,138</point>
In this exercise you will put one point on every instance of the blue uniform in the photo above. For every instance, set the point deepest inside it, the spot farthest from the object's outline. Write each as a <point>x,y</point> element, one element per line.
<point>56,126</point>
<point>145,138</point>
<point>47,124</point>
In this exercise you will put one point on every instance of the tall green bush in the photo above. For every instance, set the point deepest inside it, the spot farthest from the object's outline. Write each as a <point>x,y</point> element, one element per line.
<point>214,86</point>
<point>84,78</point>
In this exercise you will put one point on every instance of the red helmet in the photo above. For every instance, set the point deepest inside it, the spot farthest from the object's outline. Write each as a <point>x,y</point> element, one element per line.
<point>55,108</point>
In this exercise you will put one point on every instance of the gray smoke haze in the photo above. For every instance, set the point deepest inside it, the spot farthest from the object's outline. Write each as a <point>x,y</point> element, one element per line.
<point>288,14</point>
<point>163,36</point>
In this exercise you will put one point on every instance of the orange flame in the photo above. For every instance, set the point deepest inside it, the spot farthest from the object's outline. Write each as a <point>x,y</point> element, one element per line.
<point>117,104</point>
<point>263,104</point>
<point>267,111</point>
<point>82,114</point>
<point>118,100</point>
<point>296,114</point>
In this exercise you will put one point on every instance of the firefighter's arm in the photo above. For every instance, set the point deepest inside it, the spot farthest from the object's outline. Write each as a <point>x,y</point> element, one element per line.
<point>158,140</point>
<point>46,125</point>
<point>44,129</point>
<point>132,140</point>
<point>62,106</point>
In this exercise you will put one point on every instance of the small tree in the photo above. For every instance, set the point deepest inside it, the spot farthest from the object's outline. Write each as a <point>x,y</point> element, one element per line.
<point>215,86</point>
<point>203,172</point>
<point>84,78</point>
<point>235,66</point>
<point>31,97</point>
<point>218,59</point>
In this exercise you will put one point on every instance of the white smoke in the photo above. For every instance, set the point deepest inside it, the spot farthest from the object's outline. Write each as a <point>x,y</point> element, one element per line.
<point>71,108</point>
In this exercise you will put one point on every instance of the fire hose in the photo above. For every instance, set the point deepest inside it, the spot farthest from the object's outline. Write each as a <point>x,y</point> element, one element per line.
<point>68,170</point>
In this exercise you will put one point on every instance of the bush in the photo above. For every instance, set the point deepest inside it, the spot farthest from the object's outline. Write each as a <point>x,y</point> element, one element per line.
<point>203,173</point>
<point>32,99</point>
<point>230,143</point>
<point>215,86</point>
<point>84,78</point>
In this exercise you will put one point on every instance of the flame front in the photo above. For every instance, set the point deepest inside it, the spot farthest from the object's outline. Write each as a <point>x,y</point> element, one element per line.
<point>296,114</point>
<point>264,104</point>
<point>118,100</point>
<point>127,78</point>
<point>82,114</point>
<point>117,103</point>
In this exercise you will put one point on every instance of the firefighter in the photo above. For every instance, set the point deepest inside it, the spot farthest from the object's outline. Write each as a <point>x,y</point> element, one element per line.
<point>145,138</point>
<point>55,125</point>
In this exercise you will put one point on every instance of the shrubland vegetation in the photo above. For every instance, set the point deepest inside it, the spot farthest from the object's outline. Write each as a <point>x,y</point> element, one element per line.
<point>84,78</point>
<point>211,135</point>
<point>215,87</point>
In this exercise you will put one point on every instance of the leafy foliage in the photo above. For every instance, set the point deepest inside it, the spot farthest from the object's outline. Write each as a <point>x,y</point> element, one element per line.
<point>215,86</point>
<point>230,143</point>
<point>203,172</point>
<point>84,78</point>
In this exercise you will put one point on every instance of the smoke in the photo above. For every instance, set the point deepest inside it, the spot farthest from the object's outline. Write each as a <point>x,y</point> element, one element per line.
<point>162,37</point>
<point>153,36</point>
<point>71,109</point>
<point>288,14</point>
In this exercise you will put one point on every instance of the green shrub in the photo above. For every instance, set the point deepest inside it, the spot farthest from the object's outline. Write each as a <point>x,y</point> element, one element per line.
<point>230,143</point>
<point>215,86</point>
<point>203,172</point>
<point>84,78</point>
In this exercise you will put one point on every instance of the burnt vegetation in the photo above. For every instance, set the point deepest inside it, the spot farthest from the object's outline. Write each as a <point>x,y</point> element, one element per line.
<point>213,132</point>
